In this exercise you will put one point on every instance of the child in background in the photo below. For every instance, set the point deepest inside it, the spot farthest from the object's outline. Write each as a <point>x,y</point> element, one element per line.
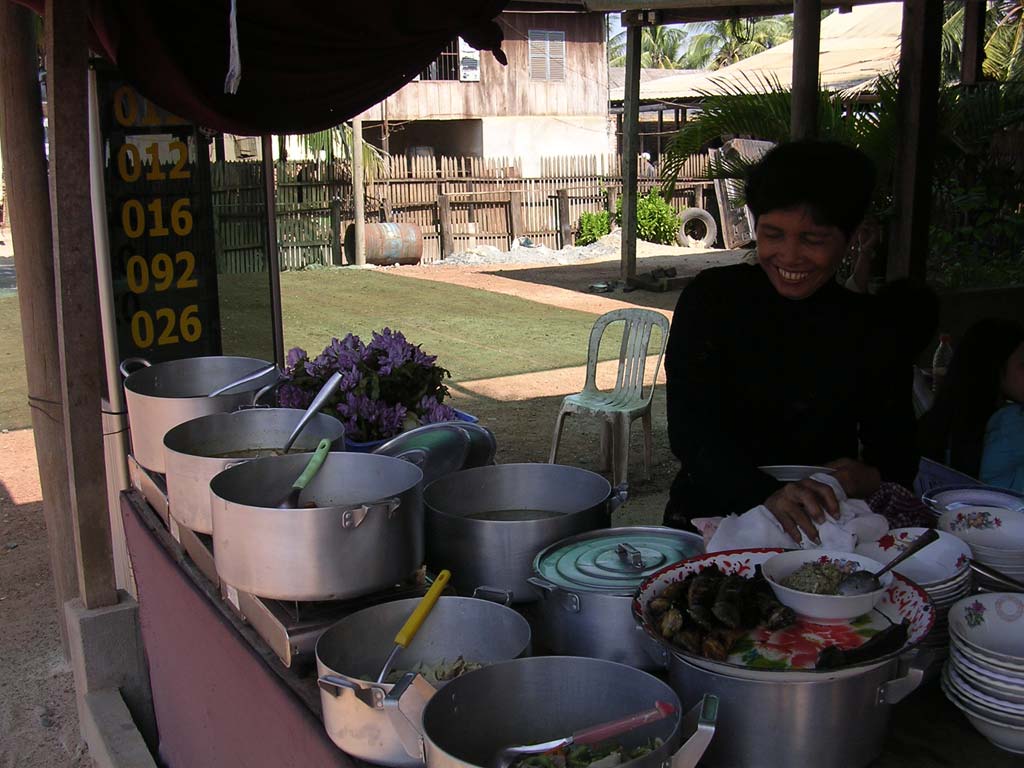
<point>976,425</point>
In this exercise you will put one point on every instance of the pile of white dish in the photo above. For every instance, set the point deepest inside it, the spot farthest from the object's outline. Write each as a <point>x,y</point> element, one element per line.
<point>942,569</point>
<point>984,675</point>
<point>995,535</point>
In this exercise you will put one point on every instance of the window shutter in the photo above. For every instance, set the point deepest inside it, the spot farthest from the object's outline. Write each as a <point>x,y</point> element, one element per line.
<point>538,54</point>
<point>556,56</point>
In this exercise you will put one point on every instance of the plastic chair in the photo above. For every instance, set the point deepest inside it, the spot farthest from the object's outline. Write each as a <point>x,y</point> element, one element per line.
<point>628,400</point>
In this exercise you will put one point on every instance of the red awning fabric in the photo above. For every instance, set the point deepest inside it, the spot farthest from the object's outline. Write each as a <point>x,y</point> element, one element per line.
<point>306,65</point>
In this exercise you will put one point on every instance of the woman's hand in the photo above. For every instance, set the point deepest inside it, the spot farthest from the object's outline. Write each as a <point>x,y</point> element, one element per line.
<point>800,506</point>
<point>857,479</point>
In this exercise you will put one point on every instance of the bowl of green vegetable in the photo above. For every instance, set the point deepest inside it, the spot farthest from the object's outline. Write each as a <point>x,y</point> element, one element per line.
<point>807,580</point>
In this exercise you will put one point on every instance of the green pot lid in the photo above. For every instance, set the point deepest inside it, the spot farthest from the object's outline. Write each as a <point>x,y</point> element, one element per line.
<point>614,560</point>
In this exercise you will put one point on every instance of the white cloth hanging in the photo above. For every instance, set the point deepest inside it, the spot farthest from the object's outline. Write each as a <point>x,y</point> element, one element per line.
<point>234,76</point>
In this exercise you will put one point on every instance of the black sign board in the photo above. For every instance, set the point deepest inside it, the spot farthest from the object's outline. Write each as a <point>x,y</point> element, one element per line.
<point>160,223</point>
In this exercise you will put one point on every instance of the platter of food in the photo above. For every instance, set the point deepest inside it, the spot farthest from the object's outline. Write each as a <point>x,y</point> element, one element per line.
<point>719,612</point>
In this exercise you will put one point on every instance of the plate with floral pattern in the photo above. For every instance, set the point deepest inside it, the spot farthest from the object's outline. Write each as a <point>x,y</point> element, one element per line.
<point>990,527</point>
<point>793,651</point>
<point>990,628</point>
<point>938,562</point>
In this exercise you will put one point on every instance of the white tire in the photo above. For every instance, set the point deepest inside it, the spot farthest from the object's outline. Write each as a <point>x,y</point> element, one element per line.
<point>710,229</point>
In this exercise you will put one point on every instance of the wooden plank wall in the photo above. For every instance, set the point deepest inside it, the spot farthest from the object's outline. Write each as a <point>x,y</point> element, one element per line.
<point>481,192</point>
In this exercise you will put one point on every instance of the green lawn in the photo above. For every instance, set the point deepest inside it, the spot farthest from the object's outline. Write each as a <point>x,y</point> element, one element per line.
<point>475,334</point>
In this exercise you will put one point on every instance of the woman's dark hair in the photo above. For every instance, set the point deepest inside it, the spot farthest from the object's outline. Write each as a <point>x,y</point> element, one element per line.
<point>835,181</point>
<point>969,395</point>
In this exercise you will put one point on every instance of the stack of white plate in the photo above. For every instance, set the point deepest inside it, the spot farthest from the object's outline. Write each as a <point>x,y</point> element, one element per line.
<point>941,569</point>
<point>994,534</point>
<point>984,675</point>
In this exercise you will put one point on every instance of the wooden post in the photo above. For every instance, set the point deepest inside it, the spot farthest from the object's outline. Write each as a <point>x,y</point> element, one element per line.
<point>973,50</point>
<point>613,197</point>
<point>515,213</point>
<point>915,140</point>
<point>79,337</point>
<point>28,203</point>
<point>273,256</point>
<point>336,231</point>
<point>564,225</point>
<point>358,191</point>
<point>803,120</point>
<point>661,129</point>
<point>630,125</point>
<point>444,215</point>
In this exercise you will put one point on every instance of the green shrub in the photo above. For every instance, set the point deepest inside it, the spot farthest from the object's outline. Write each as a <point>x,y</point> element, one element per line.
<point>592,227</point>
<point>656,221</point>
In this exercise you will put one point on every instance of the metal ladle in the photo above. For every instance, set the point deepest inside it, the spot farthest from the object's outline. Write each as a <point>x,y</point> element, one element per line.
<point>258,374</point>
<point>864,582</point>
<point>318,402</point>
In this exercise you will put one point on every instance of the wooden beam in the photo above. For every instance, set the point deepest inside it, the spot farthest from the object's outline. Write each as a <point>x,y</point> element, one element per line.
<point>28,205</point>
<point>709,10</point>
<point>273,255</point>
<point>803,120</point>
<point>973,48</point>
<point>564,225</point>
<point>79,338</point>
<point>358,192</point>
<point>630,130</point>
<point>516,226</point>
<point>444,218</point>
<point>915,139</point>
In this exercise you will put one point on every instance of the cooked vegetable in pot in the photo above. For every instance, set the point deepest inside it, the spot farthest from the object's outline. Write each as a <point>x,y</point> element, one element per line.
<point>578,756</point>
<point>438,673</point>
<point>817,578</point>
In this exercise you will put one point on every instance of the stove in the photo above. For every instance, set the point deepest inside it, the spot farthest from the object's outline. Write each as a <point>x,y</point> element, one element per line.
<point>289,628</point>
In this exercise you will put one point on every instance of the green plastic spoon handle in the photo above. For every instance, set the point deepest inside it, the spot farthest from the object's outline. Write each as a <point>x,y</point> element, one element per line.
<point>314,465</point>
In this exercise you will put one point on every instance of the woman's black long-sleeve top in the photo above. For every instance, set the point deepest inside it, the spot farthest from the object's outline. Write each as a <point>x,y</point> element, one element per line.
<point>754,378</point>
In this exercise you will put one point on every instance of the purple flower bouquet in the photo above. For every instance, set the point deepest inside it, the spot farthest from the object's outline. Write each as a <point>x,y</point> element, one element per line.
<point>387,386</point>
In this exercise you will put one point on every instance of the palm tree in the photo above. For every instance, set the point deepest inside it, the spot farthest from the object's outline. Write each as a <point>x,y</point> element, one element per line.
<point>336,145</point>
<point>660,48</point>
<point>717,44</point>
<point>1004,41</point>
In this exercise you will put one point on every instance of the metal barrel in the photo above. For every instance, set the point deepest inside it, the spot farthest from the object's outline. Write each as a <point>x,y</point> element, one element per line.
<point>387,244</point>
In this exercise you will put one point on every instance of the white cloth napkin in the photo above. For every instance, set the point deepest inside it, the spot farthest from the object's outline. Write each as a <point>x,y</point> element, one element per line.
<point>759,528</point>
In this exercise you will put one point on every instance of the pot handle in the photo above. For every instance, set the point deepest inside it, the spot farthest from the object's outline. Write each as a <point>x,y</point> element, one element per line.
<point>698,728</point>
<point>543,585</point>
<point>404,706</point>
<point>372,696</point>
<point>353,516</point>
<point>140,361</point>
<point>897,689</point>
<point>260,393</point>
<point>619,495</point>
<point>505,595</point>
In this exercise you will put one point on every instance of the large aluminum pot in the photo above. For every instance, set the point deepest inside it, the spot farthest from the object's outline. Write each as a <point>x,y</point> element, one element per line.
<point>164,395</point>
<point>497,554</point>
<point>364,534</point>
<point>587,583</point>
<point>832,722</point>
<point>196,451</point>
<point>527,701</point>
<point>379,722</point>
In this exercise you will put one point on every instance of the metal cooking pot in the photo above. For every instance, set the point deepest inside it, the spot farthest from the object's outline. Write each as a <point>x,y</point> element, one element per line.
<point>163,395</point>
<point>587,583</point>
<point>364,534</point>
<point>497,554</point>
<point>194,452</point>
<point>832,722</point>
<point>379,722</point>
<point>527,701</point>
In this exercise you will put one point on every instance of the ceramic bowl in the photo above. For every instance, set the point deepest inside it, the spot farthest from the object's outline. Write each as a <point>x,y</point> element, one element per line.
<point>950,496</point>
<point>991,528</point>
<point>999,684</point>
<point>982,696</point>
<point>990,626</point>
<point>1004,735</point>
<point>823,608</point>
<point>938,562</point>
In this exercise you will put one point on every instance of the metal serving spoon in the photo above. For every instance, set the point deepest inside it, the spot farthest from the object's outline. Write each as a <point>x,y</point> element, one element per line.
<point>257,374</point>
<point>318,402</point>
<point>863,582</point>
<point>595,734</point>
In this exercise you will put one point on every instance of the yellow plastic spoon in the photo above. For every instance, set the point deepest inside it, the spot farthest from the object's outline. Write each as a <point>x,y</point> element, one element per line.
<point>415,621</point>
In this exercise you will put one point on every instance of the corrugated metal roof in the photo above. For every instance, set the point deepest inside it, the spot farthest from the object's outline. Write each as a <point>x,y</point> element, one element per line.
<point>856,48</point>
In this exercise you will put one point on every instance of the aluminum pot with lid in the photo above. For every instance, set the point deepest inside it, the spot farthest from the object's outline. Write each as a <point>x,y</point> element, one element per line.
<point>528,701</point>
<point>486,524</point>
<point>197,450</point>
<point>587,582</point>
<point>362,533</point>
<point>379,722</point>
<point>162,395</point>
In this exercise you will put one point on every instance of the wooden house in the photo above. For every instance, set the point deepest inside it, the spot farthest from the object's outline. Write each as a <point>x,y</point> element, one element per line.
<point>551,99</point>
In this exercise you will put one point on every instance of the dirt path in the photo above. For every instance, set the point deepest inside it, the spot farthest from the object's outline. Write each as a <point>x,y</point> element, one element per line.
<point>38,721</point>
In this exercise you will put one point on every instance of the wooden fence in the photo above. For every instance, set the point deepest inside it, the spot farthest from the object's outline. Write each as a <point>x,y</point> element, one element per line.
<point>458,203</point>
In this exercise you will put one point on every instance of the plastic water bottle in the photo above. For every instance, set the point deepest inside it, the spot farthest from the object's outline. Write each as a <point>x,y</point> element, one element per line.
<point>940,360</point>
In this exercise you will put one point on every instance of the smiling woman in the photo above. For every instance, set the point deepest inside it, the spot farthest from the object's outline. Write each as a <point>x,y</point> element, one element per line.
<point>776,363</point>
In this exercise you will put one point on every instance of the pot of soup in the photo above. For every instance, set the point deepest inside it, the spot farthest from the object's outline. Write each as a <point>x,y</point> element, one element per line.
<point>197,450</point>
<point>486,524</point>
<point>162,395</point>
